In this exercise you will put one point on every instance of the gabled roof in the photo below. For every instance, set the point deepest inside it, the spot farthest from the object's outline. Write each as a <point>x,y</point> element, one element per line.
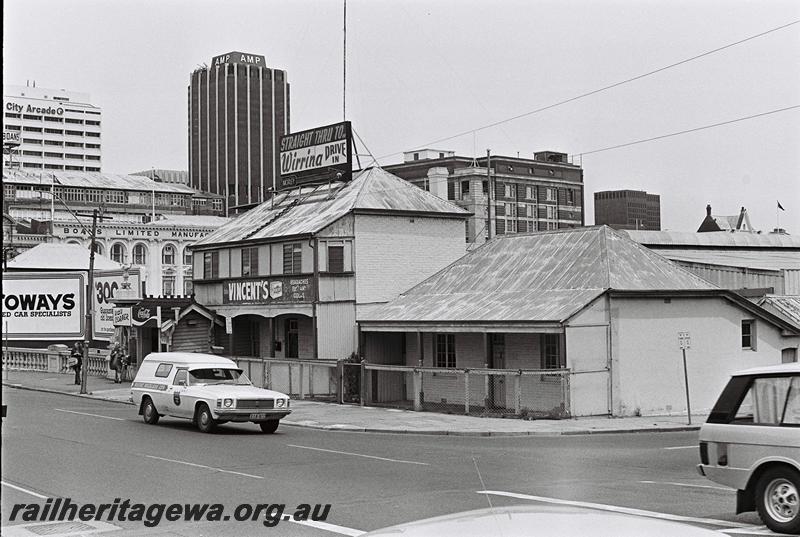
<point>537,277</point>
<point>116,181</point>
<point>292,214</point>
<point>784,306</point>
<point>60,257</point>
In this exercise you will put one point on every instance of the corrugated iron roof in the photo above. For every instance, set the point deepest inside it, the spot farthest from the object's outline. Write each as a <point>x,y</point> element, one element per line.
<point>115,181</point>
<point>785,306</point>
<point>310,209</point>
<point>546,276</point>
<point>714,238</point>
<point>758,259</point>
<point>60,257</point>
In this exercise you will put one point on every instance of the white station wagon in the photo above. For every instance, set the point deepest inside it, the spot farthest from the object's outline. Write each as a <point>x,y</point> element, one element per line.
<point>751,442</point>
<point>209,390</point>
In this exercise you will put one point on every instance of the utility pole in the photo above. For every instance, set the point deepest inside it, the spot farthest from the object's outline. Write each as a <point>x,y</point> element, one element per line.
<point>89,301</point>
<point>489,196</point>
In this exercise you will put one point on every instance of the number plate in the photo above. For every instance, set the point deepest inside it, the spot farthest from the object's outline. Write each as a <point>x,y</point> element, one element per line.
<point>258,416</point>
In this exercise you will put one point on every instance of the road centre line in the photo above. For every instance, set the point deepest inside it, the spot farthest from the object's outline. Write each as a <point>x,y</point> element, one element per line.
<point>359,455</point>
<point>203,466</point>
<point>617,509</point>
<point>88,414</point>
<point>682,447</point>
<point>726,489</point>
<point>26,491</point>
<point>333,528</point>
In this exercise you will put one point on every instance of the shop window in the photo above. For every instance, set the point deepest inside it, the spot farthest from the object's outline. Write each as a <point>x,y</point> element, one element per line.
<point>445,350</point>
<point>249,261</point>
<point>168,285</point>
<point>139,254</point>
<point>118,252</point>
<point>168,255</point>
<point>551,352</point>
<point>210,265</point>
<point>336,258</point>
<point>292,258</point>
<point>749,334</point>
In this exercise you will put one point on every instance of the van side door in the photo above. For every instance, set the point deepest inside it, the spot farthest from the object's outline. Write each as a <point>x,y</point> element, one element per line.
<point>178,404</point>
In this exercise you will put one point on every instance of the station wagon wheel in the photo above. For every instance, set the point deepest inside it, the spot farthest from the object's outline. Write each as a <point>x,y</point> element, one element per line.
<point>205,422</point>
<point>149,412</point>
<point>269,427</point>
<point>778,499</point>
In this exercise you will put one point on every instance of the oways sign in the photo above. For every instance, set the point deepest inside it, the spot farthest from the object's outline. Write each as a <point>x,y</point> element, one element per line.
<point>317,155</point>
<point>43,306</point>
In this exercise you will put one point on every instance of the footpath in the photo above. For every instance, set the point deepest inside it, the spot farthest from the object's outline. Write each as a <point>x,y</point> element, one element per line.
<point>335,417</point>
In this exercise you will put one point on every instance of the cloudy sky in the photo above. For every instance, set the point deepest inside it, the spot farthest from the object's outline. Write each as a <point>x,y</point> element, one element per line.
<point>419,72</point>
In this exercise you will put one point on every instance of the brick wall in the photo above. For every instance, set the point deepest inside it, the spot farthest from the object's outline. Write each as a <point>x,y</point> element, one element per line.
<point>394,253</point>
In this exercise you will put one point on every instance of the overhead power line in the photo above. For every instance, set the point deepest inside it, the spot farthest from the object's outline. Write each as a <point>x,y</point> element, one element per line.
<point>695,129</point>
<point>604,88</point>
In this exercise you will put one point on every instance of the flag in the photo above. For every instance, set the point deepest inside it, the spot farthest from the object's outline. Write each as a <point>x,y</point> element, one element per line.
<point>780,206</point>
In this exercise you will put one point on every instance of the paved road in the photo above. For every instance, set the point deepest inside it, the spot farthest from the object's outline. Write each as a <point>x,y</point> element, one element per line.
<point>96,451</point>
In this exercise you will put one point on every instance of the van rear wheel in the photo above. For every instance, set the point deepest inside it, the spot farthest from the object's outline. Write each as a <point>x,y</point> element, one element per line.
<point>778,499</point>
<point>149,412</point>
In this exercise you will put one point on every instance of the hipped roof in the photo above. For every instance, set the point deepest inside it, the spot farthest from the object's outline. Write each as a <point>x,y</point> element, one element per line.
<point>538,277</point>
<point>60,257</point>
<point>308,210</point>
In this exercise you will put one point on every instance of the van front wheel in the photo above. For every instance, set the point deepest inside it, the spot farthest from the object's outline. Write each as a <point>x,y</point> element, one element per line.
<point>205,422</point>
<point>778,499</point>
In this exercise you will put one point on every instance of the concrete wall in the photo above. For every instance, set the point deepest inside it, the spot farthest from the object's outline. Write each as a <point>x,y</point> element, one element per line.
<point>647,365</point>
<point>394,253</point>
<point>587,348</point>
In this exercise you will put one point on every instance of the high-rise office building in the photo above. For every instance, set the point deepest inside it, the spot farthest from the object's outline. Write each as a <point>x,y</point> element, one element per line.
<point>628,209</point>
<point>238,110</point>
<point>538,194</point>
<point>58,129</point>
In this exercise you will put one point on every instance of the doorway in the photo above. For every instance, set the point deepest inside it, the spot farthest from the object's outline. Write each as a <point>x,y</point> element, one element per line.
<point>292,339</point>
<point>497,360</point>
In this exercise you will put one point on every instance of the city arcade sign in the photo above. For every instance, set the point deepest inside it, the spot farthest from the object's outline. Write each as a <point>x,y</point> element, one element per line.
<point>316,155</point>
<point>273,290</point>
<point>30,109</point>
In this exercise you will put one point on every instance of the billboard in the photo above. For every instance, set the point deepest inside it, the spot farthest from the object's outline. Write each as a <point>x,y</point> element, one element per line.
<point>11,138</point>
<point>43,306</point>
<point>269,290</point>
<point>316,155</point>
<point>106,284</point>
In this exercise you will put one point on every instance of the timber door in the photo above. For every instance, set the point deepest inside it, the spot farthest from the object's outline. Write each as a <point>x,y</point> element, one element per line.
<point>497,360</point>
<point>292,339</point>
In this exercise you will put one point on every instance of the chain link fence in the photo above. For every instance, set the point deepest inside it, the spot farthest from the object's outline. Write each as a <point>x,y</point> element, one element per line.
<point>301,379</point>
<point>483,392</point>
<point>526,393</point>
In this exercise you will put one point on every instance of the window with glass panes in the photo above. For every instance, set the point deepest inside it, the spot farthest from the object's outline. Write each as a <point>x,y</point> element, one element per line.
<point>118,252</point>
<point>551,355</point>
<point>249,261</point>
<point>168,255</point>
<point>139,254</point>
<point>292,258</point>
<point>336,258</point>
<point>168,285</point>
<point>210,265</point>
<point>445,350</point>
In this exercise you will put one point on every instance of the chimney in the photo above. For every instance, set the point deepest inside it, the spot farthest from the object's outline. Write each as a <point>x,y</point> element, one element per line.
<point>708,210</point>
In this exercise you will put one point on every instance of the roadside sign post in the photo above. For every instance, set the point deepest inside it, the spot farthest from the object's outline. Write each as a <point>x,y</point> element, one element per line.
<point>685,341</point>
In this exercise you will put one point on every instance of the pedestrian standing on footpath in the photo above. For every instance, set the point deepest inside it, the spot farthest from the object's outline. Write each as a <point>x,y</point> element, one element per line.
<point>76,360</point>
